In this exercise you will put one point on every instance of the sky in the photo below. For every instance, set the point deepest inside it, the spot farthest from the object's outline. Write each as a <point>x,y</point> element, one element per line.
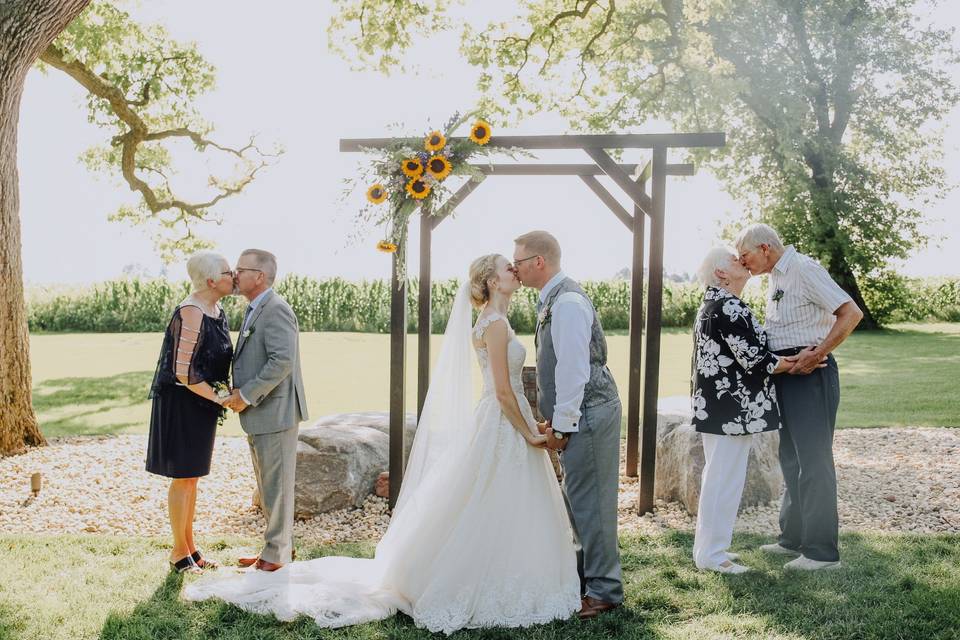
<point>276,78</point>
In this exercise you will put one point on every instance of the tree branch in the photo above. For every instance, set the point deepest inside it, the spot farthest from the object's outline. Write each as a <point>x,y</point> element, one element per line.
<point>139,132</point>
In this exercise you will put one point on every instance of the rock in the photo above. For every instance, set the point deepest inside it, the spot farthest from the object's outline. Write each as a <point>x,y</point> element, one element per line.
<point>382,486</point>
<point>337,466</point>
<point>379,420</point>
<point>680,461</point>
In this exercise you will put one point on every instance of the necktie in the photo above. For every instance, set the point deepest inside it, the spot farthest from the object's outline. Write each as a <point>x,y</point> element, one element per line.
<point>246,316</point>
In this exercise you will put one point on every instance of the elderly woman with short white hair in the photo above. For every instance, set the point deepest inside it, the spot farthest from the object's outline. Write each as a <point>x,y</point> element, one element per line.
<point>733,400</point>
<point>194,364</point>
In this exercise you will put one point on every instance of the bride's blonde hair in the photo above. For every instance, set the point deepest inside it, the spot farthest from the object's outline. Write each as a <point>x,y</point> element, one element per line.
<point>482,270</point>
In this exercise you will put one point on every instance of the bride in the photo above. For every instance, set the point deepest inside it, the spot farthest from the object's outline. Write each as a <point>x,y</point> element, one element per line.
<point>479,536</point>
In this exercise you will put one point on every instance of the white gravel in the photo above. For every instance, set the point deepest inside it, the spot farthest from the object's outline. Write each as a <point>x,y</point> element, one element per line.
<point>905,480</point>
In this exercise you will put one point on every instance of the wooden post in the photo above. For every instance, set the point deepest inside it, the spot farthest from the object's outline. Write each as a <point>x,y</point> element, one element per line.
<point>398,387</point>
<point>424,319</point>
<point>636,342</point>
<point>651,378</point>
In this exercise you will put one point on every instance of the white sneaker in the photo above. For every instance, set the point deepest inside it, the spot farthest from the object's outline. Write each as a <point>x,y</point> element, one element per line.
<point>778,550</point>
<point>804,563</point>
<point>730,567</point>
<point>732,556</point>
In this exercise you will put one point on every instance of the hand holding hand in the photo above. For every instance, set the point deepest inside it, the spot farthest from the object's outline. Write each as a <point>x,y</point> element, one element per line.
<point>537,442</point>
<point>554,443</point>
<point>806,361</point>
<point>235,402</point>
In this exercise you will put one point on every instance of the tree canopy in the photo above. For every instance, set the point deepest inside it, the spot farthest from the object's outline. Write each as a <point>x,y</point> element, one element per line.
<point>831,106</point>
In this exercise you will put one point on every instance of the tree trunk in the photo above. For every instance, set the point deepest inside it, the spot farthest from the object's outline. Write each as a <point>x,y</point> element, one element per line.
<point>842,274</point>
<point>26,28</point>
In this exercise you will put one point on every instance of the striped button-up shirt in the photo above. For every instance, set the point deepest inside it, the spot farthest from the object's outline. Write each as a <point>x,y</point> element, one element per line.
<point>801,299</point>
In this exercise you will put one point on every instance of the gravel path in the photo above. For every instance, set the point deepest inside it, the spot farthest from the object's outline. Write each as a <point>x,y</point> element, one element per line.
<point>889,479</point>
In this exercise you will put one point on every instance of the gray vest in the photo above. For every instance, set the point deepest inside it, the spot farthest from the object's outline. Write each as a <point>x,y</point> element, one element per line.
<point>601,388</point>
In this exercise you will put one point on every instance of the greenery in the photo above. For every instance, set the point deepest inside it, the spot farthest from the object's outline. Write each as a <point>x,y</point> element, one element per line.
<point>134,305</point>
<point>142,87</point>
<point>97,383</point>
<point>891,586</point>
<point>831,106</point>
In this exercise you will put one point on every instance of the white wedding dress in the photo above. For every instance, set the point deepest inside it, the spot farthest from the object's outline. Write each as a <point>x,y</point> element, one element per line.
<point>479,538</point>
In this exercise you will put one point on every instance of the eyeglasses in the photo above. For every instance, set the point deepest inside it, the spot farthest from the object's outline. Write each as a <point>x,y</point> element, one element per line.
<point>516,262</point>
<point>239,269</point>
<point>226,273</point>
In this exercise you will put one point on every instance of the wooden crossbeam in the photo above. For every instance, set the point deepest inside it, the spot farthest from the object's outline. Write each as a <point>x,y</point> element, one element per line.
<point>609,200</point>
<point>585,141</point>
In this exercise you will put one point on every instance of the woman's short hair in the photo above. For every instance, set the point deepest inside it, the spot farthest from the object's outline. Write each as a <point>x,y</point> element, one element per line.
<point>203,266</point>
<point>482,270</point>
<point>758,234</point>
<point>541,243</point>
<point>716,258</point>
<point>265,261</point>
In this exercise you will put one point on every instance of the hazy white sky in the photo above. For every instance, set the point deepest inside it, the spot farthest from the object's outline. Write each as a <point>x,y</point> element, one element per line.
<point>275,77</point>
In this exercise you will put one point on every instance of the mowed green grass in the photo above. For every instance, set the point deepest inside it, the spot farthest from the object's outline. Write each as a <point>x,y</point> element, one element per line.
<point>97,383</point>
<point>890,586</point>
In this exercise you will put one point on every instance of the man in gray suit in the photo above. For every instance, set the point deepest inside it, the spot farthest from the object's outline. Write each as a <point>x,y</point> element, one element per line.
<point>579,399</point>
<point>268,393</point>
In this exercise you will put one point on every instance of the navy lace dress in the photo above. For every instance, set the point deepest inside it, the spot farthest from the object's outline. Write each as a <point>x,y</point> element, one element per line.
<point>183,425</point>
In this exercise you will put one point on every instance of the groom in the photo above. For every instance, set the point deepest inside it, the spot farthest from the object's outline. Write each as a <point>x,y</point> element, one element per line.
<point>268,393</point>
<point>579,399</point>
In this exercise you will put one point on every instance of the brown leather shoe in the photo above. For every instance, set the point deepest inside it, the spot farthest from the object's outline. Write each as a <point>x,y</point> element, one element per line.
<point>248,562</point>
<point>263,565</point>
<point>591,607</point>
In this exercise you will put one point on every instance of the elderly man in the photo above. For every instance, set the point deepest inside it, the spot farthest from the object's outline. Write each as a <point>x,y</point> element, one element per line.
<point>808,315</point>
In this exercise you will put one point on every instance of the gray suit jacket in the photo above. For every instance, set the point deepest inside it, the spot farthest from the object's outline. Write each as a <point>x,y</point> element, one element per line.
<point>266,369</point>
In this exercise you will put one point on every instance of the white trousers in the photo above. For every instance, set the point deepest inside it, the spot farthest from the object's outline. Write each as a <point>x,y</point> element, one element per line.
<point>724,472</point>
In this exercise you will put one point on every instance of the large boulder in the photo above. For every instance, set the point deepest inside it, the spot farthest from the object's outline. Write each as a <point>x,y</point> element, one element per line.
<point>680,460</point>
<point>340,457</point>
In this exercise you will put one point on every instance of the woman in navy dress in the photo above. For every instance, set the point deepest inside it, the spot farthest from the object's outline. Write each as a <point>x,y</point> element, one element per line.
<point>195,356</point>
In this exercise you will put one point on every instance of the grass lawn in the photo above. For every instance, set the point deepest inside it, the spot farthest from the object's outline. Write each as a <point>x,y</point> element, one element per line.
<point>85,587</point>
<point>97,383</point>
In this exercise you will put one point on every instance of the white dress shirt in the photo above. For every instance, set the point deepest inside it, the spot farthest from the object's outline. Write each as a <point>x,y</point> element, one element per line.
<point>571,327</point>
<point>246,318</point>
<point>803,316</point>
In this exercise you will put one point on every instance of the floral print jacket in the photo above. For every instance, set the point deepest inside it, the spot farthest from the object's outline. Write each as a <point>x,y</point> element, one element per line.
<point>733,392</point>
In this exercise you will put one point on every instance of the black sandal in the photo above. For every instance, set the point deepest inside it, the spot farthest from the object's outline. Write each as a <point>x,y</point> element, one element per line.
<point>202,562</point>
<point>185,565</point>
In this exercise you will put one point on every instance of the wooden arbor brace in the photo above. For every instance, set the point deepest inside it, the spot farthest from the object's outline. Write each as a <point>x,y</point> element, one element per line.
<point>652,206</point>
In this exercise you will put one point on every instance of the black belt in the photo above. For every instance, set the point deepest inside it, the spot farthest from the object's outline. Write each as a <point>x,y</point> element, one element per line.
<point>792,351</point>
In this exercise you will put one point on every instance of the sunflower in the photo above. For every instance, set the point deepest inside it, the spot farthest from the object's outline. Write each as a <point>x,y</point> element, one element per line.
<point>386,247</point>
<point>412,168</point>
<point>435,141</point>
<point>480,132</point>
<point>418,189</point>
<point>376,194</point>
<point>439,167</point>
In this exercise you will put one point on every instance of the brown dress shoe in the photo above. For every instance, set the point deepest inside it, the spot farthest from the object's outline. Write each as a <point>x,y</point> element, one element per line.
<point>263,565</point>
<point>248,562</point>
<point>591,607</point>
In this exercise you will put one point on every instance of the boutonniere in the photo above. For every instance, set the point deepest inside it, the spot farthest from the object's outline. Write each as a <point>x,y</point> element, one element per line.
<point>778,296</point>
<point>544,316</point>
<point>249,332</point>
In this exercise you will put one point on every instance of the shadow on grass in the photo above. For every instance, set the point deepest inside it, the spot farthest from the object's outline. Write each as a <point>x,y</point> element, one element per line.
<point>72,406</point>
<point>166,615</point>
<point>890,586</point>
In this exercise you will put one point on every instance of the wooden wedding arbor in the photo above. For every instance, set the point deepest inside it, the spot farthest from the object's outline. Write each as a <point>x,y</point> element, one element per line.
<point>632,179</point>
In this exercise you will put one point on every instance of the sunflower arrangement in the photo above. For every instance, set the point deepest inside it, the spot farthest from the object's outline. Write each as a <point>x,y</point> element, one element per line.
<point>412,174</point>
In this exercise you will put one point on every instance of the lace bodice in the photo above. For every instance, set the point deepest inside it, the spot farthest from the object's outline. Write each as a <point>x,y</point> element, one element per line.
<point>516,354</point>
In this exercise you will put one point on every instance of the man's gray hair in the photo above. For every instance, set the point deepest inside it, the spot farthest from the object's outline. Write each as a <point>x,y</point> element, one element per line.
<point>203,266</point>
<point>265,261</point>
<point>756,235</point>
<point>716,258</point>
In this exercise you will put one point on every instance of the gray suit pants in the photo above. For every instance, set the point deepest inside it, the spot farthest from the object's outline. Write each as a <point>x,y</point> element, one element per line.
<point>591,478</point>
<point>275,464</point>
